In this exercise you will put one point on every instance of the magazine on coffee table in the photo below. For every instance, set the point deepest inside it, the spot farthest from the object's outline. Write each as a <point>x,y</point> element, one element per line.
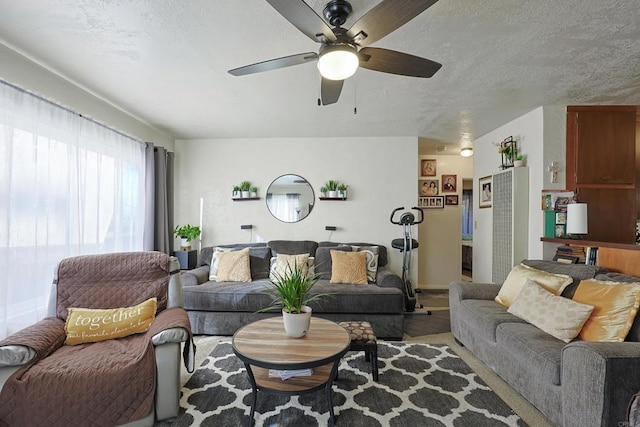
<point>286,374</point>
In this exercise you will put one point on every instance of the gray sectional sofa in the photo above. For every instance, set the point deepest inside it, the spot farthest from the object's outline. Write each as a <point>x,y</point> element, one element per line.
<point>220,308</point>
<point>576,384</point>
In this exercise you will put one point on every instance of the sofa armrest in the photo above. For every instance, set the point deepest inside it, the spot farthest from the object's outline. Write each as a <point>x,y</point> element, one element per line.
<point>598,381</point>
<point>388,279</point>
<point>472,290</point>
<point>16,355</point>
<point>171,335</point>
<point>195,277</point>
<point>35,341</point>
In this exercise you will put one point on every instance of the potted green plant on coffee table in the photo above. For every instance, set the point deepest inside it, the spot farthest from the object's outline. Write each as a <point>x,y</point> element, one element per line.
<point>291,291</point>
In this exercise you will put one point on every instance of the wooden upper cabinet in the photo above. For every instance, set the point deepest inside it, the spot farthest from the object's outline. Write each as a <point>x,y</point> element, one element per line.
<point>601,141</point>
<point>602,168</point>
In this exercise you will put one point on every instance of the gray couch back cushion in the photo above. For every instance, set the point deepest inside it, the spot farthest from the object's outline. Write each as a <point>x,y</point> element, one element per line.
<point>577,271</point>
<point>259,257</point>
<point>293,247</point>
<point>382,250</point>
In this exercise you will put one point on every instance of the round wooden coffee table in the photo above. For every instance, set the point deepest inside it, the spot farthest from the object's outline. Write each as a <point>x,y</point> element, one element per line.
<point>263,345</point>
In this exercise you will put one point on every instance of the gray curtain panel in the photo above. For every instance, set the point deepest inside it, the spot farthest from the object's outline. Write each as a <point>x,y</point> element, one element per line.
<point>158,234</point>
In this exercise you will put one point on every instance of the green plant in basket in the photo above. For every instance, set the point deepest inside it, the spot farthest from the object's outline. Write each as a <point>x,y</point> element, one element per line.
<point>292,289</point>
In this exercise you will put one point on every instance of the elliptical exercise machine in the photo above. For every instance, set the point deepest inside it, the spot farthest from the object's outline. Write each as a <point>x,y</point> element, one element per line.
<point>406,244</point>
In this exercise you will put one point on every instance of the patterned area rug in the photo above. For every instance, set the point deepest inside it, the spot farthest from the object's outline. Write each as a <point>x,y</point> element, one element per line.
<point>419,385</point>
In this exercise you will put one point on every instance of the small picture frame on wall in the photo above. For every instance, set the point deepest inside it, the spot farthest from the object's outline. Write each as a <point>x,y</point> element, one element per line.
<point>432,202</point>
<point>449,183</point>
<point>428,187</point>
<point>451,200</point>
<point>428,167</point>
<point>485,186</point>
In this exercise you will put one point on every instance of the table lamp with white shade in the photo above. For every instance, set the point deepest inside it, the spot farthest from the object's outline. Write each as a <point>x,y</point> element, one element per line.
<point>577,220</point>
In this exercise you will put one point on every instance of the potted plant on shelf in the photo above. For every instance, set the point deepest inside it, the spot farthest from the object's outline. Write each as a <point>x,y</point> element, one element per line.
<point>254,191</point>
<point>291,291</point>
<point>186,233</point>
<point>342,191</point>
<point>332,188</point>
<point>245,187</point>
<point>519,161</point>
<point>236,192</point>
<point>323,191</point>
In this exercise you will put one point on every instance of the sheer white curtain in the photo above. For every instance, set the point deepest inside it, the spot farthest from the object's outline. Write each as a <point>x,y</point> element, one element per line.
<point>68,186</point>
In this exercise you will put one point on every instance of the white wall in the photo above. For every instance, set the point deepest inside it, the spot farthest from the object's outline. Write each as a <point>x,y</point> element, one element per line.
<point>380,173</point>
<point>542,137</point>
<point>22,72</point>
<point>440,252</point>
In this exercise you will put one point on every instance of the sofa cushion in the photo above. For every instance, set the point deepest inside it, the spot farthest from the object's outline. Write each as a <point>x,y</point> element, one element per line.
<point>634,332</point>
<point>284,264</point>
<point>616,305</point>
<point>204,258</point>
<point>85,325</point>
<point>577,271</point>
<point>372,259</point>
<point>259,259</point>
<point>520,273</point>
<point>485,316</point>
<point>227,296</point>
<point>234,266</point>
<point>323,259</point>
<point>292,247</point>
<point>348,267</point>
<point>560,317</point>
<point>539,353</point>
<point>215,262</point>
<point>382,250</point>
<point>350,299</point>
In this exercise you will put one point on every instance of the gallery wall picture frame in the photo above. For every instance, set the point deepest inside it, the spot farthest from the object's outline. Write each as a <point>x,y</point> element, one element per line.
<point>428,167</point>
<point>485,185</point>
<point>428,187</point>
<point>431,202</point>
<point>449,183</point>
<point>451,200</point>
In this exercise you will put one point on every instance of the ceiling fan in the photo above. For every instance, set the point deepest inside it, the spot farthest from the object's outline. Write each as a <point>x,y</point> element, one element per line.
<point>343,50</point>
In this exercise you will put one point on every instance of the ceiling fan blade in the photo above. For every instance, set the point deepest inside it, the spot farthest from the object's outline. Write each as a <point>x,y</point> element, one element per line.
<point>330,90</point>
<point>393,62</point>
<point>304,18</point>
<point>274,64</point>
<point>386,17</point>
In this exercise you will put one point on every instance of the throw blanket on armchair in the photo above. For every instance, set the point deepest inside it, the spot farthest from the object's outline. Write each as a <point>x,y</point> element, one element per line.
<point>105,383</point>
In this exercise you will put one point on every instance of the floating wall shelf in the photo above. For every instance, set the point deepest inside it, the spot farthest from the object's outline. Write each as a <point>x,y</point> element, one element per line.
<point>242,199</point>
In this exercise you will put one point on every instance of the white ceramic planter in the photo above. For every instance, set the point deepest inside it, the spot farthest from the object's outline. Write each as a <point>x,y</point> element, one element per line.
<point>254,194</point>
<point>518,163</point>
<point>185,245</point>
<point>245,194</point>
<point>333,194</point>
<point>297,325</point>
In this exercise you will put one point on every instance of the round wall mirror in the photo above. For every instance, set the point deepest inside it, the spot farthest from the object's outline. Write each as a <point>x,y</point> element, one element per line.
<point>290,198</point>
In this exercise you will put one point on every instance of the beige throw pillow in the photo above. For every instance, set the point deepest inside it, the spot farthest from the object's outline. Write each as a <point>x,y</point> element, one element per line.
<point>286,263</point>
<point>555,315</point>
<point>554,283</point>
<point>234,266</point>
<point>215,262</point>
<point>348,267</point>
<point>616,306</point>
<point>85,325</point>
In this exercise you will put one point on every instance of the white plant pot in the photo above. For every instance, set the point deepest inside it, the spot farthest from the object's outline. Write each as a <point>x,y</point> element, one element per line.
<point>518,163</point>
<point>236,194</point>
<point>297,325</point>
<point>254,194</point>
<point>343,194</point>
<point>333,194</point>
<point>185,245</point>
<point>245,194</point>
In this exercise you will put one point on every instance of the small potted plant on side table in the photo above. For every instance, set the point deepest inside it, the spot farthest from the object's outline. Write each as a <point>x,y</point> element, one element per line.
<point>187,257</point>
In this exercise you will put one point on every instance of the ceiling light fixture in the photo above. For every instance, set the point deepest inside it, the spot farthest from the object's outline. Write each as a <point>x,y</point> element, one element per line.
<point>466,152</point>
<point>338,62</point>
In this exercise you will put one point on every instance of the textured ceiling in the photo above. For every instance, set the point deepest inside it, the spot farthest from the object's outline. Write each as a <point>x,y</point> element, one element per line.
<point>166,61</point>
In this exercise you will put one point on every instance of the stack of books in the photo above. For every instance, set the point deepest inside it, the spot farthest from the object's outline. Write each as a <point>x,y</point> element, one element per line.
<point>572,251</point>
<point>285,375</point>
<point>592,256</point>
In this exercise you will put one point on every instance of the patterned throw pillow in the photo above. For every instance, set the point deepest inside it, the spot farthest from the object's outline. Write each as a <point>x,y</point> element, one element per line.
<point>348,267</point>
<point>554,283</point>
<point>85,325</point>
<point>281,264</point>
<point>215,261</point>
<point>555,315</point>
<point>234,266</point>
<point>372,260</point>
<point>616,305</point>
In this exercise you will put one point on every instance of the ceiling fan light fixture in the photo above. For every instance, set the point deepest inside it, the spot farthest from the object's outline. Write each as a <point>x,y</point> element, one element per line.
<point>338,62</point>
<point>466,152</point>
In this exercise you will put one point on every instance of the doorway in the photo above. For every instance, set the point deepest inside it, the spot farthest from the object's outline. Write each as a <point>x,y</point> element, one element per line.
<point>467,230</point>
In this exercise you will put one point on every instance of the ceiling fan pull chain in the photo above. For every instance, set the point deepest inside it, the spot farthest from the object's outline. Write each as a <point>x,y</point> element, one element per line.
<point>355,95</point>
